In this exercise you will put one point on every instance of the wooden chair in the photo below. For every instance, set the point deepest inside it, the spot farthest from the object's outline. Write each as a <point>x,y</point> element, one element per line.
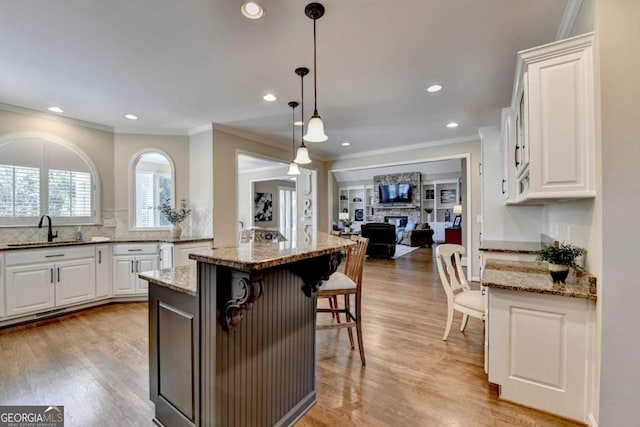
<point>347,284</point>
<point>459,296</point>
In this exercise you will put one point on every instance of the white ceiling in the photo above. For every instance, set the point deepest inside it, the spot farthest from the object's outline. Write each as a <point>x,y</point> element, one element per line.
<point>181,65</point>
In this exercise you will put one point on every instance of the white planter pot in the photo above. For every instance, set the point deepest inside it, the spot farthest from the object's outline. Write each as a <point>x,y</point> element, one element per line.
<point>176,231</point>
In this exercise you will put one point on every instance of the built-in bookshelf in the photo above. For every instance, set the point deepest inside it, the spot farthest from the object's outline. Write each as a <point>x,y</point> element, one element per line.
<point>438,198</point>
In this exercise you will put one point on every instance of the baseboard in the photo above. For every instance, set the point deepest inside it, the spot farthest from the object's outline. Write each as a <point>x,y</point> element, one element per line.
<point>475,279</point>
<point>591,420</point>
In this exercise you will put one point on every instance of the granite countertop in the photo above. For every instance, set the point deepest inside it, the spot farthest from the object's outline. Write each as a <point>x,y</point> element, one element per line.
<point>533,277</point>
<point>11,246</point>
<point>510,247</point>
<point>260,256</point>
<point>182,279</point>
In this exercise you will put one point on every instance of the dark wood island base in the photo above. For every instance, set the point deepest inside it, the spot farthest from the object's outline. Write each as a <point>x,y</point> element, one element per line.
<point>238,348</point>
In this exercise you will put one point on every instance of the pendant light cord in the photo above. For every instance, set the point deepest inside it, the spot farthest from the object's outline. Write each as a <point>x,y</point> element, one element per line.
<point>302,107</point>
<point>293,133</point>
<point>315,78</point>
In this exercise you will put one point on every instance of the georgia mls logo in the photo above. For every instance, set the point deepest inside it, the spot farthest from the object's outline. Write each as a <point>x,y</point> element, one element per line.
<point>31,416</point>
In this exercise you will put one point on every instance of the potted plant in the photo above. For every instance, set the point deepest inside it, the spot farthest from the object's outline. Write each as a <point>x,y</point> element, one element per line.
<point>560,258</point>
<point>347,224</point>
<point>175,216</point>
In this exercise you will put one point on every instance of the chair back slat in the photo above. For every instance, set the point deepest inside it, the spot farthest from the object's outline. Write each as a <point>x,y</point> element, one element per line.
<point>450,268</point>
<point>354,264</point>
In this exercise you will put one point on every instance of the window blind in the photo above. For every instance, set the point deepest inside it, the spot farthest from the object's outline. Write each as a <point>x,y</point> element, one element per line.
<point>19,191</point>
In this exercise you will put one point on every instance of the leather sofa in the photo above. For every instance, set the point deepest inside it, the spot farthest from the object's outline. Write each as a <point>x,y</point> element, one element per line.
<point>382,239</point>
<point>422,235</point>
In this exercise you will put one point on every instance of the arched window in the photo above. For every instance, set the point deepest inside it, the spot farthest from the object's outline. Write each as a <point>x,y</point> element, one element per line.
<point>42,174</point>
<point>152,181</point>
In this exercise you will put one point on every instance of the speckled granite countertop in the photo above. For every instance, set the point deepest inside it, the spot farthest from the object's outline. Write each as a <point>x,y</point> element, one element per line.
<point>534,277</point>
<point>182,279</point>
<point>259,256</point>
<point>12,246</point>
<point>510,247</point>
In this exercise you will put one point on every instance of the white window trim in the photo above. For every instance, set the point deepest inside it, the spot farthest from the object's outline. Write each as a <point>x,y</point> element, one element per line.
<point>95,219</point>
<point>133,162</point>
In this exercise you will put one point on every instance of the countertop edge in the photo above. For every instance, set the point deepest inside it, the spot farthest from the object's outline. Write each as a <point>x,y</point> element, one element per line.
<point>556,293</point>
<point>183,279</point>
<point>5,248</point>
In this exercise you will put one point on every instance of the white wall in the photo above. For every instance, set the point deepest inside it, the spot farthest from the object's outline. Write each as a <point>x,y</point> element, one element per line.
<point>619,35</point>
<point>422,154</point>
<point>201,183</point>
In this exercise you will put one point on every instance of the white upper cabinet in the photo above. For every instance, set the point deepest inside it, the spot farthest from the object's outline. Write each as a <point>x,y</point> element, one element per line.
<point>549,131</point>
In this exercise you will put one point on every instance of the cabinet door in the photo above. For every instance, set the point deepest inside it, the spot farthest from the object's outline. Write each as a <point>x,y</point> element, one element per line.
<point>123,275</point>
<point>144,263</point>
<point>182,253</point>
<point>75,281</point>
<point>103,270</point>
<point>29,289</point>
<point>166,255</point>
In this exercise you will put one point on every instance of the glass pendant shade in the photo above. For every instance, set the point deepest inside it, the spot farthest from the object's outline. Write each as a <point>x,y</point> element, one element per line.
<point>315,130</point>
<point>302,157</point>
<point>293,169</point>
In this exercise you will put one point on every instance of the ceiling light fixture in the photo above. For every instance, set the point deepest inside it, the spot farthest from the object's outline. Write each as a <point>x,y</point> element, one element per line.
<point>302,157</point>
<point>434,88</point>
<point>293,166</point>
<point>252,9</point>
<point>315,128</point>
<point>131,116</point>
<point>346,144</point>
<point>452,125</point>
<point>55,109</point>
<point>269,97</point>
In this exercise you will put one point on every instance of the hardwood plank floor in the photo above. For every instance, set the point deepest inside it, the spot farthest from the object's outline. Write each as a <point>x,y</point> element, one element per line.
<point>96,362</point>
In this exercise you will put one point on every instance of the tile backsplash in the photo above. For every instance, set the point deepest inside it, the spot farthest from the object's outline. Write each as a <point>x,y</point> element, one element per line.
<point>200,223</point>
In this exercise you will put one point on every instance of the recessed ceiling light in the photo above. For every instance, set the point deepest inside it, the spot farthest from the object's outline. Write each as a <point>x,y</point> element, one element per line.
<point>346,144</point>
<point>434,88</point>
<point>452,125</point>
<point>298,123</point>
<point>55,109</point>
<point>131,116</point>
<point>269,97</point>
<point>252,9</point>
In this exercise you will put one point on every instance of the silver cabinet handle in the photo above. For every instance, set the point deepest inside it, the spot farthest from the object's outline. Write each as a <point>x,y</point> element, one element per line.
<point>132,266</point>
<point>54,256</point>
<point>51,275</point>
<point>137,269</point>
<point>99,257</point>
<point>134,250</point>
<point>58,274</point>
<point>503,182</point>
<point>160,254</point>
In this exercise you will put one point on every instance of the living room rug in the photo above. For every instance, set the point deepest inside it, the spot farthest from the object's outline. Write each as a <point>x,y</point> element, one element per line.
<point>403,250</point>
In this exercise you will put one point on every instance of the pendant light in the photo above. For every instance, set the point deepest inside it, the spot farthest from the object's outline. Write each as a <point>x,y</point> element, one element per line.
<point>293,166</point>
<point>315,128</point>
<point>302,158</point>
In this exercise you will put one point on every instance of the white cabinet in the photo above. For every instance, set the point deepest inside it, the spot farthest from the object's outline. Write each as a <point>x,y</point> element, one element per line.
<point>38,280</point>
<point>30,288</point>
<point>128,261</point>
<point>1,285</point>
<point>181,252</point>
<point>166,255</point>
<point>540,350</point>
<point>550,130</point>
<point>103,270</point>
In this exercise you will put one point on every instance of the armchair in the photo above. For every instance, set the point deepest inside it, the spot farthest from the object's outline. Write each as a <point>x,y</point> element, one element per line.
<point>382,239</point>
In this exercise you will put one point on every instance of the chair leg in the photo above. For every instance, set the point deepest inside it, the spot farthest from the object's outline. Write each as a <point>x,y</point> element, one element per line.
<point>447,329</point>
<point>465,318</point>
<point>359,329</point>
<point>332,306</point>
<point>349,330</point>
<point>334,300</point>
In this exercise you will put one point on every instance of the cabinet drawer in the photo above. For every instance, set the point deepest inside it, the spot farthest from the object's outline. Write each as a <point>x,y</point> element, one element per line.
<point>135,249</point>
<point>32,256</point>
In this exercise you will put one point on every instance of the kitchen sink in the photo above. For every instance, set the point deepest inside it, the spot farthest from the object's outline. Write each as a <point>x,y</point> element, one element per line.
<point>56,242</point>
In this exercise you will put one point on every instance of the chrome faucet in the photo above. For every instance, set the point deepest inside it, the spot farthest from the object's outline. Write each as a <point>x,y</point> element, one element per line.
<point>50,235</point>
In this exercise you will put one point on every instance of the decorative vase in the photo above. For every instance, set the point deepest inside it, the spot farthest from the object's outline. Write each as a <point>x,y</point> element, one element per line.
<point>347,229</point>
<point>176,231</point>
<point>558,272</point>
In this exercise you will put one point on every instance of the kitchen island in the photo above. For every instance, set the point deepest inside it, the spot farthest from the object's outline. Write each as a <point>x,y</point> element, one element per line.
<point>232,341</point>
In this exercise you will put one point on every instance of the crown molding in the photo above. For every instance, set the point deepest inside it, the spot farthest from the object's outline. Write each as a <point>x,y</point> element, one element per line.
<point>458,140</point>
<point>199,129</point>
<point>55,117</point>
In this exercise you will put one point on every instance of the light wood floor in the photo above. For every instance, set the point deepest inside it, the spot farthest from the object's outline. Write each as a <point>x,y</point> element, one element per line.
<point>95,363</point>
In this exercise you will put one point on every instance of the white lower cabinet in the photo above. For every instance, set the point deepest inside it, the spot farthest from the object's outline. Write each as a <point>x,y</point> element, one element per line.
<point>34,282</point>
<point>540,350</point>
<point>103,270</point>
<point>181,252</point>
<point>128,261</point>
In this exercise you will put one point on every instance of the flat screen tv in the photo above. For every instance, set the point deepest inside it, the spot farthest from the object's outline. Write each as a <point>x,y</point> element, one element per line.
<point>395,193</point>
